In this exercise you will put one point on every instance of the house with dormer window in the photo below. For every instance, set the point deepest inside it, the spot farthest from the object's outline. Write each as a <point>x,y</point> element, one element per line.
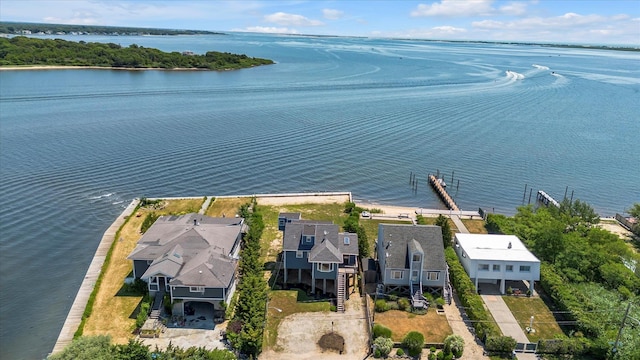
<point>411,261</point>
<point>317,254</point>
<point>190,257</point>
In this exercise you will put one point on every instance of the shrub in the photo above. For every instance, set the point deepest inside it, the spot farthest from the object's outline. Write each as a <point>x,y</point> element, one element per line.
<point>404,304</point>
<point>432,356</point>
<point>148,221</point>
<point>440,302</point>
<point>500,344</point>
<point>400,352</point>
<point>413,341</point>
<point>432,349</point>
<point>381,305</point>
<point>143,314</point>
<point>454,344</point>
<point>393,297</point>
<point>376,353</point>
<point>381,331</point>
<point>448,356</point>
<point>440,355</point>
<point>383,345</point>
<point>393,305</point>
<point>333,308</point>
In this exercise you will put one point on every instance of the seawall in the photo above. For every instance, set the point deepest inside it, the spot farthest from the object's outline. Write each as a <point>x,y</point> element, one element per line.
<point>74,317</point>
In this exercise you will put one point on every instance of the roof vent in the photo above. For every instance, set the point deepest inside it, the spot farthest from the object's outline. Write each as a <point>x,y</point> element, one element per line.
<point>200,272</point>
<point>509,246</point>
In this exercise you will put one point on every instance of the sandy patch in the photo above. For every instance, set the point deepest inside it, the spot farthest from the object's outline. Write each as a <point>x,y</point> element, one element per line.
<point>297,199</point>
<point>298,334</point>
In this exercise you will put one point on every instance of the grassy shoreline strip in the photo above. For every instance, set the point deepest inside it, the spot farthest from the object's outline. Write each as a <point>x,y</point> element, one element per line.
<point>96,287</point>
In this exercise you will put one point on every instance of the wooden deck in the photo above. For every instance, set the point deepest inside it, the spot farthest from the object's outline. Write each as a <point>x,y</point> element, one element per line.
<point>74,317</point>
<point>444,196</point>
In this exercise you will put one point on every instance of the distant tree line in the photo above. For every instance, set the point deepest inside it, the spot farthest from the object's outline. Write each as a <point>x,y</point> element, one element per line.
<point>7,27</point>
<point>21,50</point>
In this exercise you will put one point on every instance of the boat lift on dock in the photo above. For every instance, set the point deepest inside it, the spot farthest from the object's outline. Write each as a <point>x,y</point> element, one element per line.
<point>546,199</point>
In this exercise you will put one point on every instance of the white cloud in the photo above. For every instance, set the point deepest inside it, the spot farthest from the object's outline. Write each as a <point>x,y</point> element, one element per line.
<point>514,9</point>
<point>462,8</point>
<point>286,19</point>
<point>452,8</point>
<point>569,27</point>
<point>332,14</point>
<point>268,29</point>
<point>449,30</point>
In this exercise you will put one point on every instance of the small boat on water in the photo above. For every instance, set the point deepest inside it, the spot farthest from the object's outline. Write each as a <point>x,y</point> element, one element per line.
<point>442,183</point>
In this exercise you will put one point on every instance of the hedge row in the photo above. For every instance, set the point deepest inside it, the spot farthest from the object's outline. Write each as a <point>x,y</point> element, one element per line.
<point>246,329</point>
<point>470,300</point>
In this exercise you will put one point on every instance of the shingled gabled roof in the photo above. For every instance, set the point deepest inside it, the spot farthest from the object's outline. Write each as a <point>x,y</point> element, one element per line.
<point>400,240</point>
<point>329,244</point>
<point>325,252</point>
<point>192,249</point>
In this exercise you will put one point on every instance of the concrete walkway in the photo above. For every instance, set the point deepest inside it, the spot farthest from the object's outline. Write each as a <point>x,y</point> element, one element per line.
<point>205,205</point>
<point>459,224</point>
<point>507,322</point>
<point>74,317</point>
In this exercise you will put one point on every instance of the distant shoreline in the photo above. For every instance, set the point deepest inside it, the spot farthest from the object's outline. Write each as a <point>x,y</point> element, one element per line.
<point>67,67</point>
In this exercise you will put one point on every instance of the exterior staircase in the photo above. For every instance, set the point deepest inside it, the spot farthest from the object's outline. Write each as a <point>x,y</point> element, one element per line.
<point>156,308</point>
<point>341,291</point>
<point>418,301</point>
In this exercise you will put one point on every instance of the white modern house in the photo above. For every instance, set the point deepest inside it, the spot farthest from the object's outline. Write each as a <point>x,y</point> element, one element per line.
<point>495,259</point>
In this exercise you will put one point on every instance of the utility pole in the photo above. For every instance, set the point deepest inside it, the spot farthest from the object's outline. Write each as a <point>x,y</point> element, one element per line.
<point>624,318</point>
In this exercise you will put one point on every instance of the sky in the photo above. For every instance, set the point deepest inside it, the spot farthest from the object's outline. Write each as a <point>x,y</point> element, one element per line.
<point>613,22</point>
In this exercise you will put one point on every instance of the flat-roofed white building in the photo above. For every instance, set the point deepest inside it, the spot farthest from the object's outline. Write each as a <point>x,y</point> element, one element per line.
<point>490,258</point>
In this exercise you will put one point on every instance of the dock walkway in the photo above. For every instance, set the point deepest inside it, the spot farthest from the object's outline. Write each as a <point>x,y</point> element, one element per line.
<point>74,317</point>
<point>442,192</point>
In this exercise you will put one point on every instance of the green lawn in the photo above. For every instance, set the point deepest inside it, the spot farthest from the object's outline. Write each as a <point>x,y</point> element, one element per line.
<point>283,303</point>
<point>544,323</point>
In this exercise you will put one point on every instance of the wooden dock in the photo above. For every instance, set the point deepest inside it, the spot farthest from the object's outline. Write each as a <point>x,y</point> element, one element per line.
<point>546,199</point>
<point>444,196</point>
<point>74,317</point>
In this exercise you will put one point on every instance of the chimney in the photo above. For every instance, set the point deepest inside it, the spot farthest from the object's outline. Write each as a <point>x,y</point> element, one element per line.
<point>195,222</point>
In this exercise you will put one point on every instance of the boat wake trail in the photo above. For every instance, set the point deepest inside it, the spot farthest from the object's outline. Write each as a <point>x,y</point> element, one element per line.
<point>512,75</point>
<point>540,67</point>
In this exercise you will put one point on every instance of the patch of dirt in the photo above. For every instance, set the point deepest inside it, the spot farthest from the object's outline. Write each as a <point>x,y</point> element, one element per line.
<point>299,334</point>
<point>332,341</point>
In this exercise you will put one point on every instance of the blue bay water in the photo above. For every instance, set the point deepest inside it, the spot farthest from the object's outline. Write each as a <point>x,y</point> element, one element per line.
<point>333,114</point>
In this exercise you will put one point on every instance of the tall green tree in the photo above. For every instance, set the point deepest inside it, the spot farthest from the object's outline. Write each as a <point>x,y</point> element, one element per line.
<point>443,222</point>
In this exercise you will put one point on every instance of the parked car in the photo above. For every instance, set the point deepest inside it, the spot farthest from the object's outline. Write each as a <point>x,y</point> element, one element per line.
<point>365,214</point>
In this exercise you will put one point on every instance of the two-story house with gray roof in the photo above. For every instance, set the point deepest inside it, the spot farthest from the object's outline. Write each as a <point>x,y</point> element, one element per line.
<point>192,257</point>
<point>317,254</point>
<point>411,260</point>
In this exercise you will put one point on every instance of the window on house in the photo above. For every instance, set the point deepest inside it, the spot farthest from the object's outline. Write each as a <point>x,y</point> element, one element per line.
<point>346,240</point>
<point>433,275</point>
<point>299,254</point>
<point>397,275</point>
<point>199,289</point>
<point>525,268</point>
<point>496,267</point>
<point>416,257</point>
<point>509,268</point>
<point>309,238</point>
<point>483,267</point>
<point>325,267</point>
<point>414,275</point>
